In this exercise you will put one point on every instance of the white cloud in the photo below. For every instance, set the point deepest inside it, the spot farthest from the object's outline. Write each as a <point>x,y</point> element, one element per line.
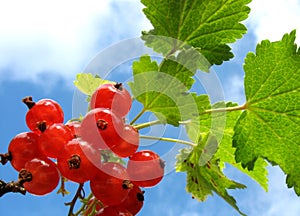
<point>234,89</point>
<point>60,37</point>
<point>271,19</point>
<point>278,201</point>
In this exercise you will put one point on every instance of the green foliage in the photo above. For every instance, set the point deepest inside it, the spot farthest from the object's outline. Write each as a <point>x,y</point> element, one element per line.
<point>204,24</point>
<point>204,179</point>
<point>109,156</point>
<point>87,83</point>
<point>221,124</point>
<point>163,90</point>
<point>269,128</point>
<point>192,35</point>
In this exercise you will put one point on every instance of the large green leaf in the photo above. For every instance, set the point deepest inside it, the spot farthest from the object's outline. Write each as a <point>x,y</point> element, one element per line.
<point>221,124</point>
<point>163,90</point>
<point>204,24</point>
<point>270,126</point>
<point>204,179</point>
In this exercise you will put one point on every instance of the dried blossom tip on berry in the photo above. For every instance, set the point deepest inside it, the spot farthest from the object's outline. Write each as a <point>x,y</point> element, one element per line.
<point>28,101</point>
<point>74,162</point>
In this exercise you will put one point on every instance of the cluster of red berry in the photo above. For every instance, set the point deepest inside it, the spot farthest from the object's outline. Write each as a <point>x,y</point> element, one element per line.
<point>75,151</point>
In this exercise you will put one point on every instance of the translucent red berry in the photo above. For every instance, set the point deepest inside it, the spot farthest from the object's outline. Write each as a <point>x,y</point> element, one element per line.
<point>74,126</point>
<point>44,111</point>
<point>112,96</point>
<point>145,168</point>
<point>128,143</point>
<point>111,185</point>
<point>22,148</point>
<point>113,211</point>
<point>134,201</point>
<point>101,128</point>
<point>45,176</point>
<point>54,138</point>
<point>93,205</point>
<point>78,161</point>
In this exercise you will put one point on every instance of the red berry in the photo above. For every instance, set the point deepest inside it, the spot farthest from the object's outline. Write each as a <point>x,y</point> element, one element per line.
<point>77,161</point>
<point>134,201</point>
<point>128,143</point>
<point>45,110</point>
<point>145,168</point>
<point>111,186</point>
<point>113,211</point>
<point>22,148</point>
<point>53,139</point>
<point>101,128</point>
<point>112,96</point>
<point>45,176</point>
<point>74,126</point>
<point>93,205</point>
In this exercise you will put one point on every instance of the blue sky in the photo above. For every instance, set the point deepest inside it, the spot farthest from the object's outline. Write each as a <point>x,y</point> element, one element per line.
<point>44,44</point>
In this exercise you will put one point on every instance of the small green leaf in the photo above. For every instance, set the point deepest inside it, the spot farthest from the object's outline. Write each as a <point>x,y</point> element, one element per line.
<point>163,90</point>
<point>269,128</point>
<point>204,179</point>
<point>109,156</point>
<point>221,124</point>
<point>204,24</point>
<point>87,83</point>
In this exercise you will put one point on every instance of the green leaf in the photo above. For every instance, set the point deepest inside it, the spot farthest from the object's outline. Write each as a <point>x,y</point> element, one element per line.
<point>204,179</point>
<point>108,156</point>
<point>163,90</point>
<point>204,24</point>
<point>221,124</point>
<point>87,83</point>
<point>269,128</point>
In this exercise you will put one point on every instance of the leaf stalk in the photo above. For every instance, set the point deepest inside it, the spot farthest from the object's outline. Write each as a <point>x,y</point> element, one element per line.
<point>168,139</point>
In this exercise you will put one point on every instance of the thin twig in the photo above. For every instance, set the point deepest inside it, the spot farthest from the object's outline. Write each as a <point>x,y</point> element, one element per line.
<point>167,139</point>
<point>147,124</point>
<point>77,195</point>
<point>4,158</point>
<point>138,116</point>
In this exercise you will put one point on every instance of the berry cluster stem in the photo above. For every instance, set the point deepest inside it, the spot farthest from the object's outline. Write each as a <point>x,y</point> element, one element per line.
<point>4,158</point>
<point>62,190</point>
<point>79,194</point>
<point>16,187</point>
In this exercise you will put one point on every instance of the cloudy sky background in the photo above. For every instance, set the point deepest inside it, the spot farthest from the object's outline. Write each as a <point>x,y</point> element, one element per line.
<point>44,44</point>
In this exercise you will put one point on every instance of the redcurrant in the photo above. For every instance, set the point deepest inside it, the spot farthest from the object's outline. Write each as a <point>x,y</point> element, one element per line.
<point>74,126</point>
<point>112,96</point>
<point>53,139</point>
<point>101,128</point>
<point>78,161</point>
<point>22,148</point>
<point>128,143</point>
<point>45,176</point>
<point>113,211</point>
<point>93,205</point>
<point>45,111</point>
<point>111,186</point>
<point>145,168</point>
<point>134,201</point>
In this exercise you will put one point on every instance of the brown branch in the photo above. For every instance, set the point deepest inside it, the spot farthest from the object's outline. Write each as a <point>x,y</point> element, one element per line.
<point>4,158</point>
<point>13,187</point>
<point>16,187</point>
<point>79,194</point>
